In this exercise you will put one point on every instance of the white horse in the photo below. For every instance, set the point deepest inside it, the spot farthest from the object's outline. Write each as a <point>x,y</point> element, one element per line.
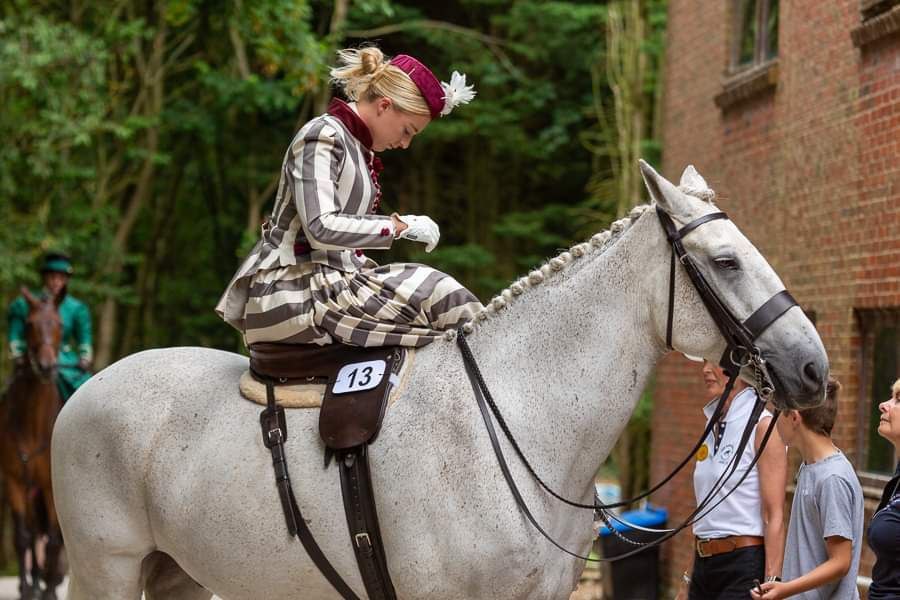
<point>163,484</point>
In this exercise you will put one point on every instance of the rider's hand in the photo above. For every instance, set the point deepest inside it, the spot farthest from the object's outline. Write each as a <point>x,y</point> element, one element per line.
<point>420,229</point>
<point>85,364</point>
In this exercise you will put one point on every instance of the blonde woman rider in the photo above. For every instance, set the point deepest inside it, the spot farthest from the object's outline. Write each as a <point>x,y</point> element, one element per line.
<point>308,280</point>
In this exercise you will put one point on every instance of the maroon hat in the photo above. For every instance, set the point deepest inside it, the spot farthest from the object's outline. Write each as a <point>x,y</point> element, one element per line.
<point>424,79</point>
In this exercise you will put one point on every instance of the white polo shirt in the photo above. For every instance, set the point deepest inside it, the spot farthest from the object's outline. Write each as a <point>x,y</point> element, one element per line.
<point>741,512</point>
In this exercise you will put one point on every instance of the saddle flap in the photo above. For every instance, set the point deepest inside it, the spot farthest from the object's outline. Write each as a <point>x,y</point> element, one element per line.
<point>303,362</point>
<point>354,406</point>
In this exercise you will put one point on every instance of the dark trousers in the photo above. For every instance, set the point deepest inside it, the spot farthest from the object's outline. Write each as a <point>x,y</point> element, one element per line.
<point>727,576</point>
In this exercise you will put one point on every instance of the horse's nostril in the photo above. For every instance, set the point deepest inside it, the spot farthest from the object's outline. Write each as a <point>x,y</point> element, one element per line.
<point>812,374</point>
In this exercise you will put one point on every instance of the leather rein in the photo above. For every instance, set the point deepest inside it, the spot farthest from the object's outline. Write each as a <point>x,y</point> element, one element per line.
<point>740,352</point>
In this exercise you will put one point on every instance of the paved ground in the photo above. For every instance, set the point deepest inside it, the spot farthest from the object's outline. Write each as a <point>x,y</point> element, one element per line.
<point>590,589</point>
<point>9,589</point>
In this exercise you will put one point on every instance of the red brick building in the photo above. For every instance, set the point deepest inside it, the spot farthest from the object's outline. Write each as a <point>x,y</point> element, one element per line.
<point>792,114</point>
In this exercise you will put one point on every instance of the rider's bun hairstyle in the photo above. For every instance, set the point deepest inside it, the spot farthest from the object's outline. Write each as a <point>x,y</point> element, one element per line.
<point>366,74</point>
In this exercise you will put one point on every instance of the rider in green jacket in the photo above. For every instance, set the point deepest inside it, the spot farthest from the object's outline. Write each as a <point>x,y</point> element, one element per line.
<point>76,351</point>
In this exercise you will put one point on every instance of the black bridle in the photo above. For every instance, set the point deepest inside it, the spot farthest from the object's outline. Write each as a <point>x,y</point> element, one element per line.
<point>741,352</point>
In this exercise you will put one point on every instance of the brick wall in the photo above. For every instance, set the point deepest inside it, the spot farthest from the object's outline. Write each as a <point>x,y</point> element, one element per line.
<point>809,170</point>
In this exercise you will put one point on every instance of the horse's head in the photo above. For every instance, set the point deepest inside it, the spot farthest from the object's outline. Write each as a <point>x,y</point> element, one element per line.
<point>43,333</point>
<point>743,281</point>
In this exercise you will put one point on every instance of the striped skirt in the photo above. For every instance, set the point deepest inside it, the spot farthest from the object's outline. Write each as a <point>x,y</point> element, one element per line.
<point>391,305</point>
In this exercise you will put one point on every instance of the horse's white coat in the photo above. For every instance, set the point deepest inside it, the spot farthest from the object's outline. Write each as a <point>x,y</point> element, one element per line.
<point>159,453</point>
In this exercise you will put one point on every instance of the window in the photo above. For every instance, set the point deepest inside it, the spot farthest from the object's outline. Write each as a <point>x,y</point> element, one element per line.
<point>756,33</point>
<point>880,367</point>
<point>869,9</point>
<point>878,19</point>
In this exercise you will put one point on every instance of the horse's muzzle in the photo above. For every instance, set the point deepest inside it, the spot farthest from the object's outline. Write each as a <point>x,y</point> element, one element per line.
<point>800,387</point>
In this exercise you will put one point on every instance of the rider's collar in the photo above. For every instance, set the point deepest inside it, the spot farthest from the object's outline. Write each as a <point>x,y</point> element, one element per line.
<point>352,121</point>
<point>739,409</point>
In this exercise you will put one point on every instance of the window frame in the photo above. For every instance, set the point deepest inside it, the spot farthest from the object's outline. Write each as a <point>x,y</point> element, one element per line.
<point>760,42</point>
<point>870,9</point>
<point>878,19</point>
<point>869,321</point>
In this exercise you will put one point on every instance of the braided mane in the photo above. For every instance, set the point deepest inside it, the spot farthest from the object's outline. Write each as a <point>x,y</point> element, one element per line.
<point>596,245</point>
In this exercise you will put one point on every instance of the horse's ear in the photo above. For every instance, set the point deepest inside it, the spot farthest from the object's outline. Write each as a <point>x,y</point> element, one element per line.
<point>662,191</point>
<point>692,180</point>
<point>29,297</point>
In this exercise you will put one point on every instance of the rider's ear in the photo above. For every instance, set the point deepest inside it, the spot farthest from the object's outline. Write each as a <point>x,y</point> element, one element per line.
<point>666,195</point>
<point>383,104</point>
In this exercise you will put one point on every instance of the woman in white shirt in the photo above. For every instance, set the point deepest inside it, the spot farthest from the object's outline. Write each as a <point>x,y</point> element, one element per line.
<point>742,540</point>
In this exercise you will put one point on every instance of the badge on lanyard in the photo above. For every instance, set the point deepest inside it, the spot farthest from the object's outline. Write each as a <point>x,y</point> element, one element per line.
<point>702,453</point>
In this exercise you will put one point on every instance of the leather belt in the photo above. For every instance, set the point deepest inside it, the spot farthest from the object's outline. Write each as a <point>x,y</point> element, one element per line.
<point>712,547</point>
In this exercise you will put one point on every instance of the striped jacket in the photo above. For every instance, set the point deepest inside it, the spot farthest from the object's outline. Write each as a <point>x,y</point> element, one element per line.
<point>321,212</point>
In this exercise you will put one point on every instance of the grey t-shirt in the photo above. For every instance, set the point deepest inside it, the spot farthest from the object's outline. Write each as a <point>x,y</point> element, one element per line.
<point>828,502</point>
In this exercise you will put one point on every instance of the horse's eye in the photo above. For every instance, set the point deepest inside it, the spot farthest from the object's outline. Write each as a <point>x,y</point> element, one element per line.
<point>728,264</point>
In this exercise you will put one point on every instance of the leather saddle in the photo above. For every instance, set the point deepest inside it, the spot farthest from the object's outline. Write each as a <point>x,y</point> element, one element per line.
<point>357,381</point>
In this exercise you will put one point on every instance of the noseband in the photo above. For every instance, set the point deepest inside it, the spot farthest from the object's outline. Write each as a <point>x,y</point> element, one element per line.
<point>741,351</point>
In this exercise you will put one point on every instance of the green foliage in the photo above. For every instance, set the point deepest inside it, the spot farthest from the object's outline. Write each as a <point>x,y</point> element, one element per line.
<point>146,138</point>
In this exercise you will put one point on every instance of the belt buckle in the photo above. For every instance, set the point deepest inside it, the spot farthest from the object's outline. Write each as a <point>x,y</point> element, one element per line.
<point>698,546</point>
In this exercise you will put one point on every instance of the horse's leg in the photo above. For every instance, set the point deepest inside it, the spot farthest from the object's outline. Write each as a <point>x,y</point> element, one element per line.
<point>38,522</point>
<point>52,572</point>
<point>104,549</point>
<point>105,577</point>
<point>4,506</point>
<point>105,545</point>
<point>165,580</point>
<point>22,536</point>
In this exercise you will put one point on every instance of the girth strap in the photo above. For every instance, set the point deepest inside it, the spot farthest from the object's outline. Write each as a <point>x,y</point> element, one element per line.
<point>274,431</point>
<point>362,521</point>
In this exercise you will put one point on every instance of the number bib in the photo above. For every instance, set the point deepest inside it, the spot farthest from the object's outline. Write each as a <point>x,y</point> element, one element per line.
<point>357,377</point>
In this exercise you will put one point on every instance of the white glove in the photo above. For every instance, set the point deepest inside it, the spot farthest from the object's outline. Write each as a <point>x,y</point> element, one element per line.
<point>421,229</point>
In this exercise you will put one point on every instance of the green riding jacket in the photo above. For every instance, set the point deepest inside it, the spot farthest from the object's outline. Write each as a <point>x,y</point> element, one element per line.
<point>77,340</point>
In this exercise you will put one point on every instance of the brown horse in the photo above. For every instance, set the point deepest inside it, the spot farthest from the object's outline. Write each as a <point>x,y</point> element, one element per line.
<point>27,415</point>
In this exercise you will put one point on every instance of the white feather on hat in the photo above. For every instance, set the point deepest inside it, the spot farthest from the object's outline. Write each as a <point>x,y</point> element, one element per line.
<point>456,92</point>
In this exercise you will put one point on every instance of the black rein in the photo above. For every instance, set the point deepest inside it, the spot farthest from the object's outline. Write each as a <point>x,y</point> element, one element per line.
<point>740,352</point>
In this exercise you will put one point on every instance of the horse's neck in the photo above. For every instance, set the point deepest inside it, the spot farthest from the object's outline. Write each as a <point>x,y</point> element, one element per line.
<point>33,404</point>
<point>570,358</point>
